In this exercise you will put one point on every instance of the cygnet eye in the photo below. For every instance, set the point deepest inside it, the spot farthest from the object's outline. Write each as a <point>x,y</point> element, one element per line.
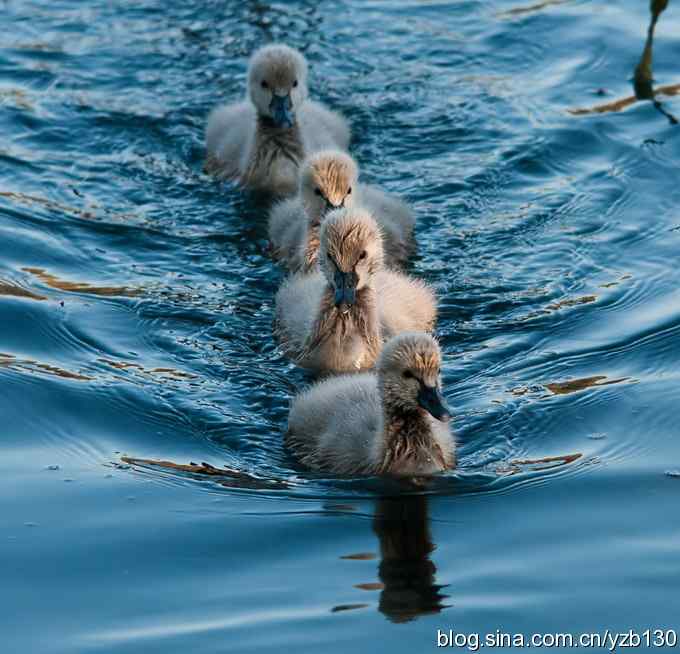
<point>407,374</point>
<point>362,255</point>
<point>295,83</point>
<point>317,191</point>
<point>349,191</point>
<point>264,84</point>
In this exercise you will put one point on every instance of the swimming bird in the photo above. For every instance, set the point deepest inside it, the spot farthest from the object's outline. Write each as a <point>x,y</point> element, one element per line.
<point>262,140</point>
<point>328,180</point>
<point>335,318</point>
<point>391,421</point>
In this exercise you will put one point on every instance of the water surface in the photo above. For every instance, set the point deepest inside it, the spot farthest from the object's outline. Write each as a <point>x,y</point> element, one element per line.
<point>136,307</point>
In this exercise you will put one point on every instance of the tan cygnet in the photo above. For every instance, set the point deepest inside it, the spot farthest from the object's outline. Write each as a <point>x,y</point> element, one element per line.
<point>391,421</point>
<point>328,180</point>
<point>262,140</point>
<point>335,319</point>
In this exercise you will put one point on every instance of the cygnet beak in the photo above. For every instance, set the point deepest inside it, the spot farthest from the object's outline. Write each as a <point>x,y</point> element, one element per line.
<point>329,206</point>
<point>431,399</point>
<point>345,290</point>
<point>281,109</point>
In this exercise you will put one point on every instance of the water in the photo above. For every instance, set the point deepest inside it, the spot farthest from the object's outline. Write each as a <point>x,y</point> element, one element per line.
<point>136,308</point>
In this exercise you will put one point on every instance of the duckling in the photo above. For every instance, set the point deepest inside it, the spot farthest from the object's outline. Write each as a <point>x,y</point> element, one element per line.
<point>392,421</point>
<point>328,180</point>
<point>262,140</point>
<point>335,318</point>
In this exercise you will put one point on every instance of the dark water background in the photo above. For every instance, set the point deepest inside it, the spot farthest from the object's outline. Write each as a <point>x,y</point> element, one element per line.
<point>135,319</point>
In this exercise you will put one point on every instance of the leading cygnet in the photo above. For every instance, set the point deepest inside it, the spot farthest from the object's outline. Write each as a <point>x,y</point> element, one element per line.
<point>262,140</point>
<point>328,180</point>
<point>393,421</point>
<point>336,318</point>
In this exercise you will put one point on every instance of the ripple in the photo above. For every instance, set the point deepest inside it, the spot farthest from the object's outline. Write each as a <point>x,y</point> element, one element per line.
<point>576,385</point>
<point>137,303</point>
<point>81,287</point>
<point>530,9</point>
<point>13,290</point>
<point>35,367</point>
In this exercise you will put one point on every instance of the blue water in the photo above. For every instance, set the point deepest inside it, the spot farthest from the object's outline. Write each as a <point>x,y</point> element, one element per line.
<point>136,309</point>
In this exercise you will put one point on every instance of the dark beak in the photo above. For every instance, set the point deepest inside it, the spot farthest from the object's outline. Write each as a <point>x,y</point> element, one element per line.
<point>430,398</point>
<point>282,110</point>
<point>345,289</point>
<point>330,206</point>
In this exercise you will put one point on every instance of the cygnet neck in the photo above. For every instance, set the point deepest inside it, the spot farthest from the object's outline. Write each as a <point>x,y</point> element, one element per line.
<point>361,318</point>
<point>311,241</point>
<point>286,139</point>
<point>408,437</point>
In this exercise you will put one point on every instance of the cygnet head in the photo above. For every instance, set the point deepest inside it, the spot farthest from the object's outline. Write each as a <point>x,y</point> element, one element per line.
<point>350,253</point>
<point>277,83</point>
<point>409,373</point>
<point>328,180</point>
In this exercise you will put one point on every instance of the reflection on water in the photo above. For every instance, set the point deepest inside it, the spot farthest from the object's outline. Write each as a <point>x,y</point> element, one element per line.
<point>642,76</point>
<point>10,289</point>
<point>136,367</point>
<point>406,573</point>
<point>566,303</point>
<point>225,476</point>
<point>32,367</point>
<point>529,9</point>
<point>58,207</point>
<point>533,465</point>
<point>551,242</point>
<point>402,525</point>
<point>574,385</point>
<point>81,287</point>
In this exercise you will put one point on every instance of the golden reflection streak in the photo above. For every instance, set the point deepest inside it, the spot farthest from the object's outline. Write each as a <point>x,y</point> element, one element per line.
<point>228,477</point>
<point>165,372</point>
<point>29,200</point>
<point>26,199</point>
<point>551,461</point>
<point>122,365</point>
<point>561,304</point>
<point>575,385</point>
<point>10,361</point>
<point>370,585</point>
<point>642,77</point>
<point>546,463</point>
<point>562,459</point>
<point>359,556</point>
<point>81,287</point>
<point>618,105</point>
<point>172,373</point>
<point>529,9</point>
<point>572,302</point>
<point>570,386</point>
<point>17,291</point>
